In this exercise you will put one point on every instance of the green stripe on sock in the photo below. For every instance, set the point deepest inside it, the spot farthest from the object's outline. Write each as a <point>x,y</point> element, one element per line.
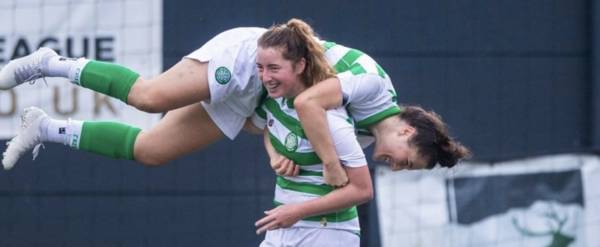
<point>110,139</point>
<point>111,79</point>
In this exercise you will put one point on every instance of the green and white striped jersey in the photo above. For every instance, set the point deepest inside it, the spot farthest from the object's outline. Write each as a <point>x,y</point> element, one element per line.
<point>353,61</point>
<point>367,90</point>
<point>288,138</point>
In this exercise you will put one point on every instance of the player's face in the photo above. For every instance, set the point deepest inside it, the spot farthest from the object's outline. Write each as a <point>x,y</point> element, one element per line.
<point>281,77</point>
<point>395,150</point>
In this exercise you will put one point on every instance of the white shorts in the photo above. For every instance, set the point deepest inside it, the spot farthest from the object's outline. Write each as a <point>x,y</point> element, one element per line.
<point>311,237</point>
<point>232,79</point>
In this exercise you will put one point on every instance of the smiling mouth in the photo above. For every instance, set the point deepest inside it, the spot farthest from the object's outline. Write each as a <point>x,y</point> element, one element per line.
<point>272,85</point>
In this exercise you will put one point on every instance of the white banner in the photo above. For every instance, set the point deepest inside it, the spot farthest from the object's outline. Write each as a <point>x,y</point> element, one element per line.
<point>127,32</point>
<point>548,201</point>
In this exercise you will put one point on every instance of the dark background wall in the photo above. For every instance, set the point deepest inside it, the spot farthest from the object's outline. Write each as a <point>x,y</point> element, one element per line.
<point>511,78</point>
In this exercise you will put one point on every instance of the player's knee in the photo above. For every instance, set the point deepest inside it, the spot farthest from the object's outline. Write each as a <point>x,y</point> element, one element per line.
<point>145,152</point>
<point>147,98</point>
<point>149,158</point>
<point>152,103</point>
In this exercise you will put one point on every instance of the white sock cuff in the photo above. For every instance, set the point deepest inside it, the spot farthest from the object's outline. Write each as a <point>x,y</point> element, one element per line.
<point>75,71</point>
<point>74,128</point>
<point>55,131</point>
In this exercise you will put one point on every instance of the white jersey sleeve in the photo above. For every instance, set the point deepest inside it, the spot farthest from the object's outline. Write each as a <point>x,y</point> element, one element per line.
<point>369,98</point>
<point>347,147</point>
<point>367,90</point>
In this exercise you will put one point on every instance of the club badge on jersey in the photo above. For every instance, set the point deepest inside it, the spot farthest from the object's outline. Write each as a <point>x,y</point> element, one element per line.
<point>222,75</point>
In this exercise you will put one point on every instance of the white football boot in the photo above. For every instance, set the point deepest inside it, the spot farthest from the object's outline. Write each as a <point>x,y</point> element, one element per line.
<point>26,69</point>
<point>29,137</point>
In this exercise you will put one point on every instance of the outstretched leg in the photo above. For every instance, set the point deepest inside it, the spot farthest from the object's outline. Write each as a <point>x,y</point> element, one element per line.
<point>183,84</point>
<point>180,132</point>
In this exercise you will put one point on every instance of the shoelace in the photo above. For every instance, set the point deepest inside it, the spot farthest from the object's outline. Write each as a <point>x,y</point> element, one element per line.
<point>33,77</point>
<point>36,150</point>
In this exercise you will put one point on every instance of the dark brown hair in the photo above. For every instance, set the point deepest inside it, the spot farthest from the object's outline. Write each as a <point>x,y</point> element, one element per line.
<point>296,38</point>
<point>432,139</point>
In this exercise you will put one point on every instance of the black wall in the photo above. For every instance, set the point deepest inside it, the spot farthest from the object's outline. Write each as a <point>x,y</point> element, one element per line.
<point>511,78</point>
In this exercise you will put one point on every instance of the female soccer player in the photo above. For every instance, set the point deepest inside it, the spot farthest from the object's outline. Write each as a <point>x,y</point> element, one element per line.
<point>309,212</point>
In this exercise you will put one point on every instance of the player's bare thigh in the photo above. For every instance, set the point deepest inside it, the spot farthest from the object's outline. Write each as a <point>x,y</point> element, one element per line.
<point>183,84</point>
<point>180,132</point>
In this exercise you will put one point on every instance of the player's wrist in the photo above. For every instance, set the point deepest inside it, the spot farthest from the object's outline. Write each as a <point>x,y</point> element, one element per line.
<point>332,163</point>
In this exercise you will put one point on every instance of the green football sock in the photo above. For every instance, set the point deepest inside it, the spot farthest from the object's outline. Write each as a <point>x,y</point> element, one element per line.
<point>111,79</point>
<point>111,139</point>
